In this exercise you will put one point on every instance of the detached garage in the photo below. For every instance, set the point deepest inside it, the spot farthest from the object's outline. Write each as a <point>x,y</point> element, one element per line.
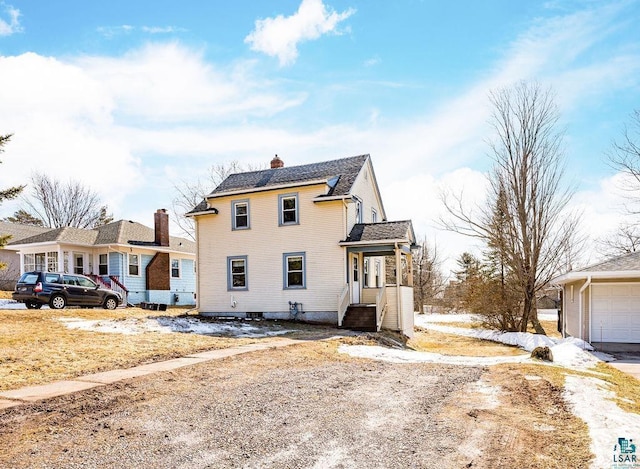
<point>601,303</point>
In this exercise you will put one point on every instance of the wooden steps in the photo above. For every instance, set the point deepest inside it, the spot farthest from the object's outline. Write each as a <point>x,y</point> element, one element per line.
<point>360,318</point>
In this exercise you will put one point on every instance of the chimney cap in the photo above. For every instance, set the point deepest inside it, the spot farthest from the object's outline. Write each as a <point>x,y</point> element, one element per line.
<point>276,162</point>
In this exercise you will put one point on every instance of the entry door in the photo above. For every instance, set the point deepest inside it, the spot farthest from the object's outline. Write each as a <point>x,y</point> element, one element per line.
<point>355,279</point>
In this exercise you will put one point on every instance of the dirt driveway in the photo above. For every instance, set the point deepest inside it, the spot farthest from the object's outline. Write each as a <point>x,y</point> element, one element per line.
<point>303,406</point>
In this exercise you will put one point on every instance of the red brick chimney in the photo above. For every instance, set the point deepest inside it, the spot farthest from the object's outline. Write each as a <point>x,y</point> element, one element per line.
<point>161,222</point>
<point>276,163</point>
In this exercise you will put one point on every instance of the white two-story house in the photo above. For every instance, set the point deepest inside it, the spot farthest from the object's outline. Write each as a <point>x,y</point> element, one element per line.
<point>304,242</point>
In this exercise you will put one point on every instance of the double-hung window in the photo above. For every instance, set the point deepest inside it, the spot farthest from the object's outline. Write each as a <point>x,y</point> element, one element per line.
<point>103,265</point>
<point>240,215</point>
<point>374,216</point>
<point>294,271</point>
<point>237,278</point>
<point>358,210</point>
<point>288,209</point>
<point>134,265</point>
<point>175,268</point>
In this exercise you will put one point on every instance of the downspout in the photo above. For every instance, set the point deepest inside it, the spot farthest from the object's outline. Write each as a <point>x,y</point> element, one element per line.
<point>581,305</point>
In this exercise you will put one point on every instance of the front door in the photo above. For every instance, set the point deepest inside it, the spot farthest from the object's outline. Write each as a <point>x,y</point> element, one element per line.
<point>355,279</point>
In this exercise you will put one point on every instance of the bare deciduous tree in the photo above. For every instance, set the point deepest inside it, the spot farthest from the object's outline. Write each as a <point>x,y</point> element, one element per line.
<point>625,158</point>
<point>624,240</point>
<point>428,279</point>
<point>64,204</point>
<point>535,233</point>
<point>190,194</point>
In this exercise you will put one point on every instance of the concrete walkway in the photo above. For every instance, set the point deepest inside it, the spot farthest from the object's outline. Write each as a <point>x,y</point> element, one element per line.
<point>631,366</point>
<point>60,388</point>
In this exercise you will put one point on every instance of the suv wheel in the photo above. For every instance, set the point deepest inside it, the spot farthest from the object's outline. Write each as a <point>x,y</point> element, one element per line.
<point>57,302</point>
<point>33,305</point>
<point>110,303</point>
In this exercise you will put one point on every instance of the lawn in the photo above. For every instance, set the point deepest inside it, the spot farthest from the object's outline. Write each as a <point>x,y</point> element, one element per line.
<point>37,347</point>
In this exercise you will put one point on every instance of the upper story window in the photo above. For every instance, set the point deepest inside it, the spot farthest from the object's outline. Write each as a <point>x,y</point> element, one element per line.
<point>294,270</point>
<point>134,264</point>
<point>358,210</point>
<point>103,264</point>
<point>288,209</point>
<point>240,214</point>
<point>374,215</point>
<point>175,268</point>
<point>237,273</point>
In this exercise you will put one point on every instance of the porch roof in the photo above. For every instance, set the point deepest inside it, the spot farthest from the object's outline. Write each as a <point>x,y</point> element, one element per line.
<point>382,232</point>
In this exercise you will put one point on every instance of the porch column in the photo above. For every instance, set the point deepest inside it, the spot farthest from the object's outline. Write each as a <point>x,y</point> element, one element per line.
<point>70,265</point>
<point>398,283</point>
<point>410,269</point>
<point>60,259</point>
<point>21,262</point>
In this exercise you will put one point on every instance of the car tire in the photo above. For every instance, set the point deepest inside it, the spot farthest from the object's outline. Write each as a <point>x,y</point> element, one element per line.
<point>57,302</point>
<point>33,305</point>
<point>110,303</point>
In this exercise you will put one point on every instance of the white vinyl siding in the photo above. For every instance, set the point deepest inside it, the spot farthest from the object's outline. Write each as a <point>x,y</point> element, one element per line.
<point>317,235</point>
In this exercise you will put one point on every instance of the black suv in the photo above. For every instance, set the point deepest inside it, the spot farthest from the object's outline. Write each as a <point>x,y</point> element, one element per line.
<point>35,289</point>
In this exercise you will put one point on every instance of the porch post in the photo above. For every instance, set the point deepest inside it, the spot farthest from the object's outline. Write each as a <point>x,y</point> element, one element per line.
<point>60,259</point>
<point>398,283</point>
<point>21,262</point>
<point>410,269</point>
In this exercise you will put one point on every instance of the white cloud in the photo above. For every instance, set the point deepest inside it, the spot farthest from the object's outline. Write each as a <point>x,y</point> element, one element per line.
<point>13,25</point>
<point>162,29</point>
<point>280,36</point>
<point>112,31</point>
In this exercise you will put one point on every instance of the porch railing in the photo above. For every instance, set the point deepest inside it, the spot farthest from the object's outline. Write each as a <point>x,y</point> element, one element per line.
<point>113,284</point>
<point>343,303</point>
<point>381,306</point>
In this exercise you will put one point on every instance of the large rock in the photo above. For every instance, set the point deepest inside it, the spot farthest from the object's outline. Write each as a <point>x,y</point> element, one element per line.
<point>542,353</point>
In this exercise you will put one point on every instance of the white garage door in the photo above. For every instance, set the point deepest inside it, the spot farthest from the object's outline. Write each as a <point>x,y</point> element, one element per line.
<point>615,313</point>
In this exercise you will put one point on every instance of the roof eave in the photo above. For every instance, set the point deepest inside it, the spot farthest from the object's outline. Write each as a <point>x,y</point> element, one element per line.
<point>374,242</point>
<point>595,275</point>
<point>250,190</point>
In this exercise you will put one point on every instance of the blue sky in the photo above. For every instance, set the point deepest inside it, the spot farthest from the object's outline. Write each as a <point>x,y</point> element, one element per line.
<point>133,97</point>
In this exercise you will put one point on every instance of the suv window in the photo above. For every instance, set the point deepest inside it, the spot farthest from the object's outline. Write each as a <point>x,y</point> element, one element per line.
<point>29,279</point>
<point>85,282</point>
<point>70,280</point>
<point>52,278</point>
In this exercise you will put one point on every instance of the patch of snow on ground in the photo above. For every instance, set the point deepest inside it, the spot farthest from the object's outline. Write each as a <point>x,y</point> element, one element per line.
<point>607,422</point>
<point>376,352</point>
<point>12,304</point>
<point>422,319</point>
<point>167,325</point>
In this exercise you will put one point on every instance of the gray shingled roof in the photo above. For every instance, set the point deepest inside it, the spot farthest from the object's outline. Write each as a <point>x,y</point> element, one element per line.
<point>629,261</point>
<point>19,231</point>
<point>117,232</point>
<point>383,231</point>
<point>346,169</point>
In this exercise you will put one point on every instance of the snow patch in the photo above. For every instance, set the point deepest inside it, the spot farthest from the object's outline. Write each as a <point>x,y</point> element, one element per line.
<point>167,325</point>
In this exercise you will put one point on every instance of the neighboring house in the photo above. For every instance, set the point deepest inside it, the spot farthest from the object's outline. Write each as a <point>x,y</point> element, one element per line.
<point>145,264</point>
<point>601,303</point>
<point>306,242</point>
<point>9,256</point>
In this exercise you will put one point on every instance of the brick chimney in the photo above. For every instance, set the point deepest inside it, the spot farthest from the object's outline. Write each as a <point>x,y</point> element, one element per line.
<point>161,222</point>
<point>276,162</point>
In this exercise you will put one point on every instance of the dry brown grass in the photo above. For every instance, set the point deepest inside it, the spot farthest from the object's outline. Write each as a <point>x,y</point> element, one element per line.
<point>449,344</point>
<point>37,348</point>
<point>5,295</point>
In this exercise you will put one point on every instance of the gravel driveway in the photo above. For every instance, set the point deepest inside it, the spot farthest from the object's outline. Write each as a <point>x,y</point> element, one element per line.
<point>300,407</point>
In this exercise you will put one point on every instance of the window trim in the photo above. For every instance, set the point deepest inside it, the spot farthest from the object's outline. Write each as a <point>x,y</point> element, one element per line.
<point>230,286</point>
<point>374,215</point>
<point>179,261</point>
<point>234,215</point>
<point>105,264</point>
<point>281,198</point>
<point>285,271</point>
<point>129,255</point>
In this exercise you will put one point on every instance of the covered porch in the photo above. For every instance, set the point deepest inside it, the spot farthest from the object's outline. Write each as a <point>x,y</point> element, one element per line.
<point>379,289</point>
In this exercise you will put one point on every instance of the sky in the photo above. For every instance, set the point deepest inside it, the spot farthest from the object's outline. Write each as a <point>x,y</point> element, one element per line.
<point>134,98</point>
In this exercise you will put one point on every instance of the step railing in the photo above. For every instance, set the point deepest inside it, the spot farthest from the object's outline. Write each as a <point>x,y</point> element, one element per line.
<point>343,304</point>
<point>381,306</point>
